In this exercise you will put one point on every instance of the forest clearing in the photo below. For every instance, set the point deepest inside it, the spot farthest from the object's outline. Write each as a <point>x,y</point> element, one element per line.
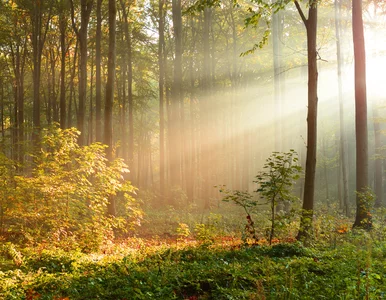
<point>196,149</point>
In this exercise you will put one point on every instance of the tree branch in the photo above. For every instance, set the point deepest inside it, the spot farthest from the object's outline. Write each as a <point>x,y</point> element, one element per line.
<point>305,21</point>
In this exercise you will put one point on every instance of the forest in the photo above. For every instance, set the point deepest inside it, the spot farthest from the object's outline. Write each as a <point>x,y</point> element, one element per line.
<point>196,149</point>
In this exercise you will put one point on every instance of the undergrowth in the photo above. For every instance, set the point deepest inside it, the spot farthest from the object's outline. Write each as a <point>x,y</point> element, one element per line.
<point>202,257</point>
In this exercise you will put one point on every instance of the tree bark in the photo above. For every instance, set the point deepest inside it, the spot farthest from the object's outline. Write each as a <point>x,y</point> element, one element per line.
<point>62,101</point>
<point>130,99</point>
<point>108,126</point>
<point>342,140</point>
<point>378,178</point>
<point>305,230</point>
<point>98,79</point>
<point>85,11</point>
<point>362,218</point>
<point>161,84</point>
<point>204,110</point>
<point>176,101</point>
<point>277,29</point>
<point>38,40</point>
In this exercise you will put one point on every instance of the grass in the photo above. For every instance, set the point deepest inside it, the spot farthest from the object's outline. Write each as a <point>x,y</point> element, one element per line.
<point>209,261</point>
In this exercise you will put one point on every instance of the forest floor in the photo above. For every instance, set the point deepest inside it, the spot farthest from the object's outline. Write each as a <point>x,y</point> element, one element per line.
<point>171,259</point>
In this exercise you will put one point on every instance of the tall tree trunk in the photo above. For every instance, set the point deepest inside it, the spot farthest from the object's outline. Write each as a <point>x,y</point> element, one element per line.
<point>190,153</point>
<point>108,126</point>
<point>175,122</point>
<point>72,90</point>
<point>325,173</point>
<point>85,11</point>
<point>38,40</point>
<point>277,29</point>
<point>130,99</point>
<point>18,60</point>
<point>362,218</point>
<point>91,107</point>
<point>204,110</point>
<point>62,101</point>
<point>53,94</point>
<point>161,84</point>
<point>98,79</point>
<point>305,230</point>
<point>378,177</point>
<point>47,95</point>
<point>342,140</point>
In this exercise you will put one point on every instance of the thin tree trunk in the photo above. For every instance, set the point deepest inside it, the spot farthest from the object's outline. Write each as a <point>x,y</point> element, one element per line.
<point>108,126</point>
<point>53,95</point>
<point>72,90</point>
<point>204,110</point>
<point>305,230</point>
<point>277,69</point>
<point>161,84</point>
<point>176,103</point>
<point>129,92</point>
<point>85,11</point>
<point>38,40</point>
<point>343,142</point>
<point>62,101</point>
<point>91,116</point>
<point>378,178</point>
<point>98,79</point>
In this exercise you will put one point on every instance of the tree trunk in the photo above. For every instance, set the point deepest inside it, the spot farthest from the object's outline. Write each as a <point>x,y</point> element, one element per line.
<point>62,101</point>
<point>53,94</point>
<point>277,29</point>
<point>204,110</point>
<point>378,178</point>
<point>362,218</point>
<point>85,11</point>
<point>175,122</point>
<point>91,107</point>
<point>305,230</point>
<point>161,46</point>
<point>342,140</point>
<point>38,40</point>
<point>72,90</point>
<point>18,56</point>
<point>130,99</point>
<point>108,125</point>
<point>98,80</point>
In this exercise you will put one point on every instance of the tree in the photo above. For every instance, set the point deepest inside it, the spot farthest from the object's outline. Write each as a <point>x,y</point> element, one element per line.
<point>40,20</point>
<point>277,32</point>
<point>63,49</point>
<point>342,140</point>
<point>305,229</point>
<point>205,106</point>
<point>362,218</point>
<point>18,52</point>
<point>161,83</point>
<point>276,182</point>
<point>128,67</point>
<point>85,11</point>
<point>176,101</point>
<point>108,125</point>
<point>98,79</point>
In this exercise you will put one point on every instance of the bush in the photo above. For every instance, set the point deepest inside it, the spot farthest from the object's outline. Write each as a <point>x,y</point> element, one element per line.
<point>65,194</point>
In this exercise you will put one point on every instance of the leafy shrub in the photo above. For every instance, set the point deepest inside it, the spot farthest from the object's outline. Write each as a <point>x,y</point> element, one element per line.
<point>275,183</point>
<point>66,192</point>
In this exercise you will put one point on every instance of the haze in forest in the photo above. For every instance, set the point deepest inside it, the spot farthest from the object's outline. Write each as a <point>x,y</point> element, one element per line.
<point>223,113</point>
